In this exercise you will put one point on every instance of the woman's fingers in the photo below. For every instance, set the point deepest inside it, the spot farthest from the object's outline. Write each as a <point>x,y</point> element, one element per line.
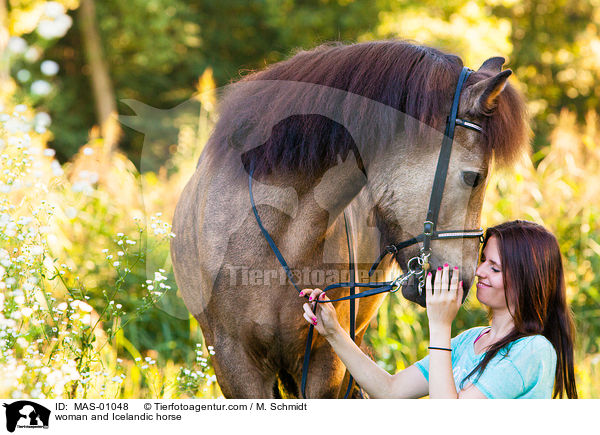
<point>428,286</point>
<point>437,283</point>
<point>306,292</point>
<point>315,294</point>
<point>309,319</point>
<point>460,293</point>
<point>308,310</point>
<point>445,277</point>
<point>312,293</point>
<point>454,281</point>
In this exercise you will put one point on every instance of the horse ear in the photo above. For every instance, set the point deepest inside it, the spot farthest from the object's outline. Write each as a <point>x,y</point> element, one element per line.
<point>493,65</point>
<point>484,93</point>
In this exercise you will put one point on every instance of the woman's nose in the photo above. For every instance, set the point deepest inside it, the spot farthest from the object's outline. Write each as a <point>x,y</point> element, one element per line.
<point>480,271</point>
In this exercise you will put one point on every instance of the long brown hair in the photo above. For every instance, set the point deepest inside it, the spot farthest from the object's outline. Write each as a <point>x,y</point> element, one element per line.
<point>534,280</point>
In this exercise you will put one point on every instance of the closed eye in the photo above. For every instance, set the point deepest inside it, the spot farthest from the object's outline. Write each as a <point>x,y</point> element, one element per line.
<point>471,178</point>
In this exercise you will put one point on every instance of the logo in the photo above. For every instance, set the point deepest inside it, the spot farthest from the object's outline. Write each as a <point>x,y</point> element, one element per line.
<point>26,414</point>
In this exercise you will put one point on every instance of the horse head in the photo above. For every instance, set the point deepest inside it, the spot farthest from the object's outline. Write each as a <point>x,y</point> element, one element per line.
<point>401,182</point>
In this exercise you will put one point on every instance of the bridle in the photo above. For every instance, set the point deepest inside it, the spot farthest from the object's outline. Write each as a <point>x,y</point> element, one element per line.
<point>417,266</point>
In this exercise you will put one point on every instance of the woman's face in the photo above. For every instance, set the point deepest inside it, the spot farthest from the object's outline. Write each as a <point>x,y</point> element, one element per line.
<point>490,285</point>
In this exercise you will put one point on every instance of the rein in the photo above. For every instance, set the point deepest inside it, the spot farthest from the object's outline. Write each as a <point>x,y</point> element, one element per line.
<point>417,266</point>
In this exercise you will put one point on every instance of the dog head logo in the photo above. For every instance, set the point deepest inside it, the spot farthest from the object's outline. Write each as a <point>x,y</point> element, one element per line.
<point>26,414</point>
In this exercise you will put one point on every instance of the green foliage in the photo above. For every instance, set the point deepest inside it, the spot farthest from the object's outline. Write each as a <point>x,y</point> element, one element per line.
<point>559,192</point>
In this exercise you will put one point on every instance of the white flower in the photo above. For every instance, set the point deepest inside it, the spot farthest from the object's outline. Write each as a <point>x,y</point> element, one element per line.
<point>37,250</point>
<point>57,170</point>
<point>117,263</point>
<point>57,28</point>
<point>23,75</point>
<point>32,54</point>
<point>88,151</point>
<point>41,87</point>
<point>49,68</point>
<point>85,307</point>
<point>17,45</point>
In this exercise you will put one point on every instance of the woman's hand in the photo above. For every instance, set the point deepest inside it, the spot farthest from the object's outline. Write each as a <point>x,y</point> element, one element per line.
<point>444,297</point>
<point>325,321</point>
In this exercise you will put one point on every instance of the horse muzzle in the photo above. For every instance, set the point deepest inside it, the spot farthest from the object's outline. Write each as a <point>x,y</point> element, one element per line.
<point>410,290</point>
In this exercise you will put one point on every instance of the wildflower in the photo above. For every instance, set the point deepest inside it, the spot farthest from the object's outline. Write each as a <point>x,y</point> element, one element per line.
<point>41,87</point>
<point>85,307</point>
<point>17,45</point>
<point>49,68</point>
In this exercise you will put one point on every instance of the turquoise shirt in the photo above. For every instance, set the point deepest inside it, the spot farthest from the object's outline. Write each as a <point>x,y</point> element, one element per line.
<point>527,372</point>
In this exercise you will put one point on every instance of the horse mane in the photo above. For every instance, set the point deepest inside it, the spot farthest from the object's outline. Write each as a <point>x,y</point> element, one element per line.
<point>415,80</point>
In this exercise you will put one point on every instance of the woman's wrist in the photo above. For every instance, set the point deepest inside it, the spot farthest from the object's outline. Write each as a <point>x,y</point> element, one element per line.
<point>335,334</point>
<point>439,335</point>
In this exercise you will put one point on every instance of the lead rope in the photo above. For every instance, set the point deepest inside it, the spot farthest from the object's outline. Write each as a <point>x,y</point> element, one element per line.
<point>352,271</point>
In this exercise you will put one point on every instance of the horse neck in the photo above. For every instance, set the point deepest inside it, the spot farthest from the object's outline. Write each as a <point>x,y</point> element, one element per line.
<point>321,202</point>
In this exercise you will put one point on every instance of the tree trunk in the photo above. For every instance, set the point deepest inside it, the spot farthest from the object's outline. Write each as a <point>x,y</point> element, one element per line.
<point>104,94</point>
<point>4,67</point>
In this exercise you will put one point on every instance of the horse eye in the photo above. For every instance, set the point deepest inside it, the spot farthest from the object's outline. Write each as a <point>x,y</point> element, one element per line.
<point>471,178</point>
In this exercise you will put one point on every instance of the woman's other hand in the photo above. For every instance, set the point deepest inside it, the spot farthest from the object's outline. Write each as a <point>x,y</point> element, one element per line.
<point>325,321</point>
<point>443,296</point>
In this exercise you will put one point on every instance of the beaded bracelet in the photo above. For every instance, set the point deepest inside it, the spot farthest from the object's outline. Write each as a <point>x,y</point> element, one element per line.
<point>440,348</point>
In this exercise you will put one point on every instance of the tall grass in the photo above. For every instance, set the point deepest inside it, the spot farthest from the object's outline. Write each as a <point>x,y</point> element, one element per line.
<point>559,188</point>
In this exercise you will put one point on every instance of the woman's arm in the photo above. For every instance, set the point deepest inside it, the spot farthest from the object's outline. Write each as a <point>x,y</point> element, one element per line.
<point>443,303</point>
<point>408,383</point>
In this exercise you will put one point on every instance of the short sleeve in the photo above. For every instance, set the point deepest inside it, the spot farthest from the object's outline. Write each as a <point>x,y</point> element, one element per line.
<point>526,372</point>
<point>456,342</point>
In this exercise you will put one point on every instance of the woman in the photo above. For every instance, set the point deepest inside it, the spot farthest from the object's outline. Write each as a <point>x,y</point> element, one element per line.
<point>527,352</point>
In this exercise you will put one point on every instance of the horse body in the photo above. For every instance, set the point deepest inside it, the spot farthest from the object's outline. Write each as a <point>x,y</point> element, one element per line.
<point>225,269</point>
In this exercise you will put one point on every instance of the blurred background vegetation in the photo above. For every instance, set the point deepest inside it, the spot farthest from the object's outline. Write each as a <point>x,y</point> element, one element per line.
<point>71,66</point>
